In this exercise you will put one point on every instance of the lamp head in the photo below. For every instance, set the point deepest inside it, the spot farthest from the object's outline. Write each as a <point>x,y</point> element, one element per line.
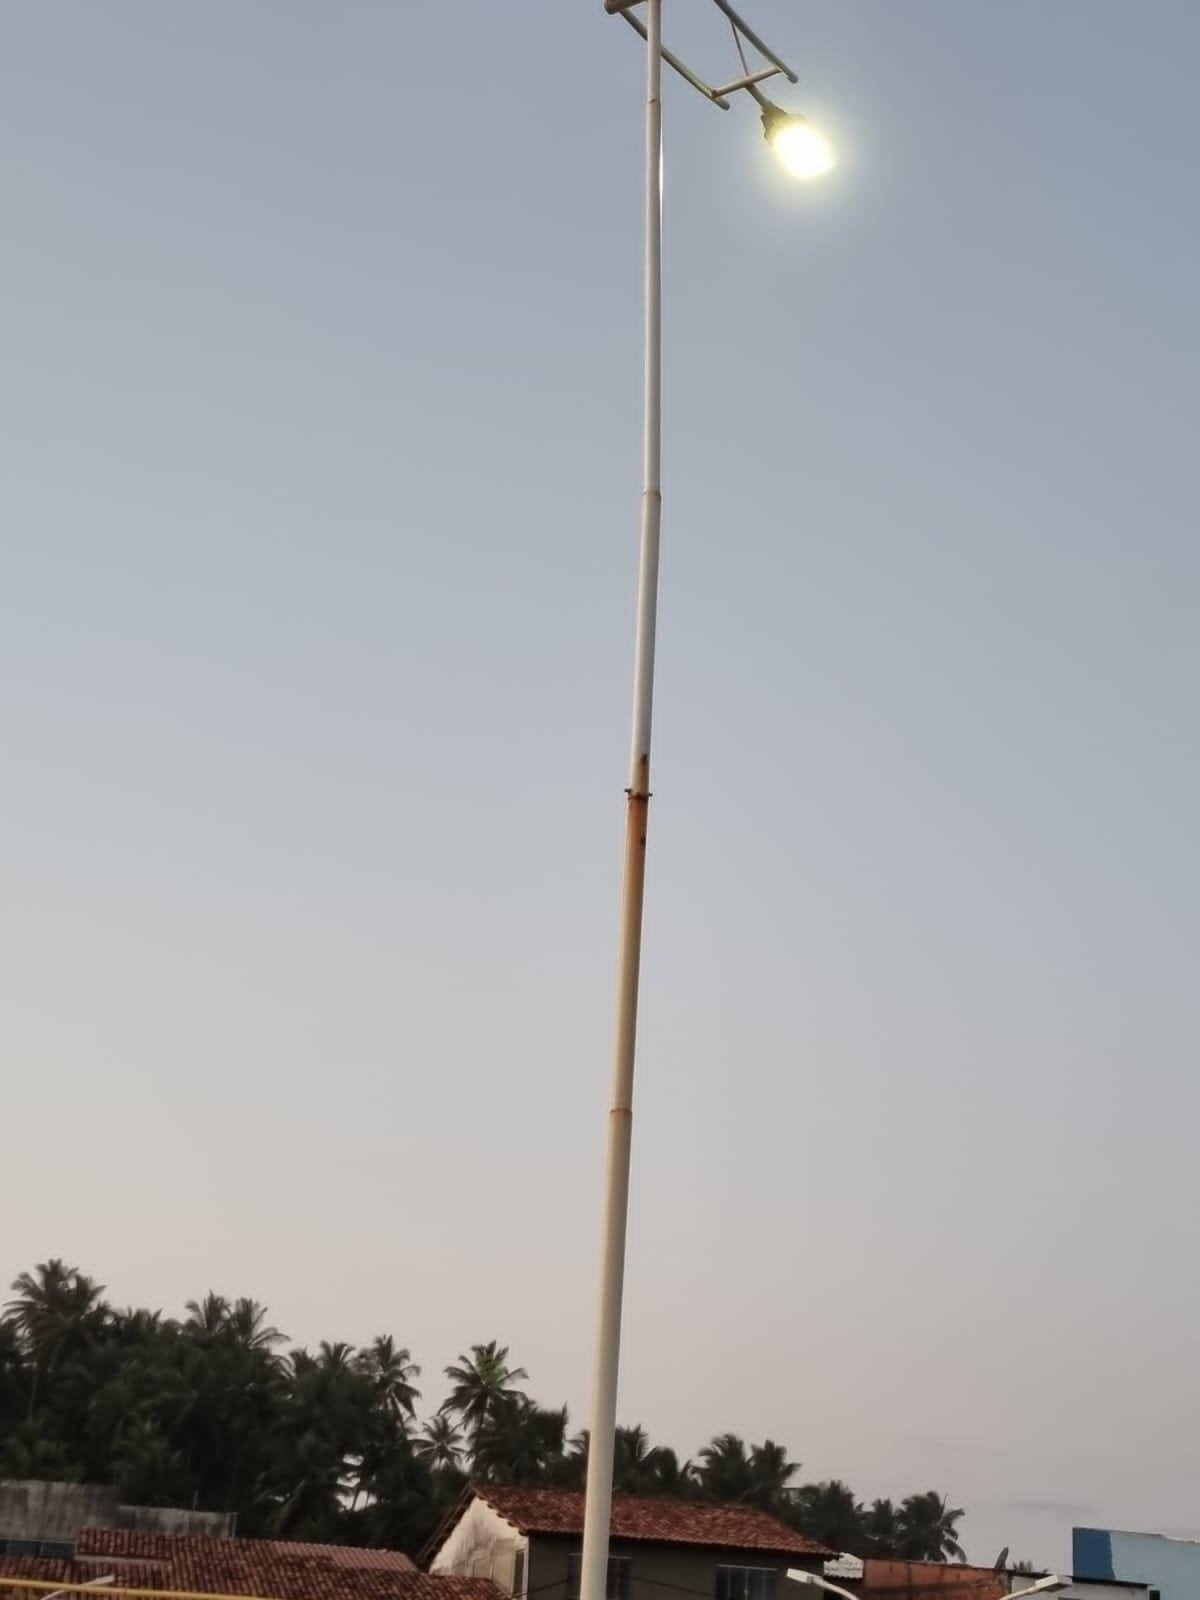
<point>803,149</point>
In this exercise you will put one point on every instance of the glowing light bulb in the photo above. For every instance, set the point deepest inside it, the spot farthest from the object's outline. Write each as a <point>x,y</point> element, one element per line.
<point>803,150</point>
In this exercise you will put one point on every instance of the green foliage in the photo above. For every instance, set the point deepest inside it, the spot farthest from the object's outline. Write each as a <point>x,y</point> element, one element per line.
<point>881,1529</point>
<point>830,1513</point>
<point>482,1384</point>
<point>213,1411</point>
<point>928,1528</point>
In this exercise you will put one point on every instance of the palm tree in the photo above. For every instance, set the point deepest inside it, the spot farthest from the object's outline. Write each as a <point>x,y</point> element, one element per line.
<point>639,1468</point>
<point>570,1470</point>
<point>632,1460</point>
<point>55,1312</point>
<point>328,1438</point>
<point>669,1475</point>
<point>148,1471</point>
<point>829,1513</point>
<point>481,1381</point>
<point>15,1376</point>
<point>549,1424</point>
<point>135,1327</point>
<point>440,1443</point>
<point>336,1357</point>
<point>929,1528</point>
<point>243,1322</point>
<point>403,1507</point>
<point>313,1504</point>
<point>208,1411</point>
<point>391,1370</point>
<point>207,1316</point>
<point>881,1529</point>
<point>51,1304</point>
<point>724,1470</point>
<point>232,1405</point>
<point>771,1472</point>
<point>246,1321</point>
<point>519,1442</point>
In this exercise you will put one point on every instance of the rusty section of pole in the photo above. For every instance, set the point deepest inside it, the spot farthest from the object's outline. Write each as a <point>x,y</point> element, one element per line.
<point>633,899</point>
<point>618,1152</point>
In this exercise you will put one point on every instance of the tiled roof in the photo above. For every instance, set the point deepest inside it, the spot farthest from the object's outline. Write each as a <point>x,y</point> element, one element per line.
<point>43,1567</point>
<point>134,1544</point>
<point>344,1555</point>
<point>657,1520</point>
<point>274,1570</point>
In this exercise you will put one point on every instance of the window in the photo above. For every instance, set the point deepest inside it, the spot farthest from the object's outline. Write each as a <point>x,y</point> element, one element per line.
<point>745,1583</point>
<point>619,1574</point>
<point>56,1550</point>
<point>518,1587</point>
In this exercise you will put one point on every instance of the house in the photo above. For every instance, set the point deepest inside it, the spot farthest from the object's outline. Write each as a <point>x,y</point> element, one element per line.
<point>528,1542</point>
<point>130,1559</point>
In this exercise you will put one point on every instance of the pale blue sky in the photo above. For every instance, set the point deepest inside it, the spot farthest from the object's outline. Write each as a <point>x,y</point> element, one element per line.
<point>319,489</point>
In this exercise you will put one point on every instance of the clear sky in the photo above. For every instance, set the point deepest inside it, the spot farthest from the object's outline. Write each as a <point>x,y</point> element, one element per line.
<point>320,450</point>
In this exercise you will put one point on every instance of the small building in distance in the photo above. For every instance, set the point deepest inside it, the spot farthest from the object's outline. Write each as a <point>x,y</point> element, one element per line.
<point>878,1578</point>
<point>928,1580</point>
<point>528,1542</point>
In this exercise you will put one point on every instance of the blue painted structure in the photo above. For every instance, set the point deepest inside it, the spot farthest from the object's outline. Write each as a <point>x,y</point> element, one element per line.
<point>1170,1566</point>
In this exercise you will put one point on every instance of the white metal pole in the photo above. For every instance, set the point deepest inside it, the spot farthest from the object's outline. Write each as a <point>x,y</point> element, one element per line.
<point>598,1505</point>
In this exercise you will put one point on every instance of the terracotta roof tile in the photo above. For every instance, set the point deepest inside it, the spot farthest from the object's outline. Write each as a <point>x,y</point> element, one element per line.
<point>274,1569</point>
<point>134,1544</point>
<point>343,1555</point>
<point>664,1520</point>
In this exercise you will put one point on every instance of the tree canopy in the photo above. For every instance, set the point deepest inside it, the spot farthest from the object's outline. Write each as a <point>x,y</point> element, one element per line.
<point>214,1410</point>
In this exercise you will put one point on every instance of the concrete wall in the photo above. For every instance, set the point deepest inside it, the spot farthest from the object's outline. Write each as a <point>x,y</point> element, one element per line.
<point>171,1519</point>
<point>49,1512</point>
<point>661,1572</point>
<point>54,1511</point>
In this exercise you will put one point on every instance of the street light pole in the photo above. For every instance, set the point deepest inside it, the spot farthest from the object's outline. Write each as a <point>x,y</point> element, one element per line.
<point>598,1503</point>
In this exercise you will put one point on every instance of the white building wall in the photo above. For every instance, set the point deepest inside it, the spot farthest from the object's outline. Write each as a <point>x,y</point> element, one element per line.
<point>483,1545</point>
